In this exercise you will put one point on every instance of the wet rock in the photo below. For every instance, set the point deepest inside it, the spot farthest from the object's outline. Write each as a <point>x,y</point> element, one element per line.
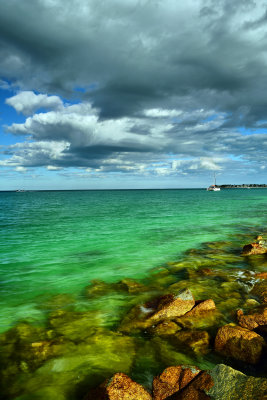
<point>255,248</point>
<point>171,306</point>
<point>201,307</point>
<point>260,290</point>
<point>196,389</point>
<point>230,384</point>
<point>254,319</point>
<point>261,275</point>
<point>239,343</point>
<point>165,328</point>
<point>196,340</point>
<point>172,380</point>
<point>160,309</point>
<point>120,387</point>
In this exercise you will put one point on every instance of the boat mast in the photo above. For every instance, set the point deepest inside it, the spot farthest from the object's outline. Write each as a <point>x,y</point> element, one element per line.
<point>214,178</point>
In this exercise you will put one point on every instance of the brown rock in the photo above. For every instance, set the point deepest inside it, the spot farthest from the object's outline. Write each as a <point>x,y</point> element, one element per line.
<point>120,387</point>
<point>254,319</point>
<point>198,341</point>
<point>253,248</point>
<point>196,389</point>
<point>201,307</point>
<point>260,290</point>
<point>172,380</point>
<point>261,275</point>
<point>239,343</point>
<point>160,309</point>
<point>171,306</point>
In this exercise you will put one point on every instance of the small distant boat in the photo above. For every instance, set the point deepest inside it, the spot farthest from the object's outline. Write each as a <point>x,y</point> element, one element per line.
<point>20,190</point>
<point>214,188</point>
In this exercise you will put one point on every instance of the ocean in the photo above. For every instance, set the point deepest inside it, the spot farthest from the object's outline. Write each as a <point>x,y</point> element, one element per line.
<point>57,245</point>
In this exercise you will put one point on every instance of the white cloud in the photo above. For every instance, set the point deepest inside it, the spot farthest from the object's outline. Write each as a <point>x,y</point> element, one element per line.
<point>28,102</point>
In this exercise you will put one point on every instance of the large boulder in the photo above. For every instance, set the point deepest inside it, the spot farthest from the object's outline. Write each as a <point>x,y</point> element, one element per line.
<point>172,380</point>
<point>239,343</point>
<point>119,387</point>
<point>256,318</point>
<point>160,309</point>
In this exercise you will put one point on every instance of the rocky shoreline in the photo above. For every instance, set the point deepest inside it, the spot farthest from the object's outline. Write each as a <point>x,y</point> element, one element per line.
<point>198,326</point>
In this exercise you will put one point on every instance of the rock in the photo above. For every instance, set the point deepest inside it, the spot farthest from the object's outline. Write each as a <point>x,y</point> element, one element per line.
<point>160,309</point>
<point>198,341</point>
<point>196,389</point>
<point>75,325</point>
<point>119,387</point>
<point>201,306</point>
<point>258,317</point>
<point>132,286</point>
<point>100,288</point>
<point>261,275</point>
<point>239,343</point>
<point>254,248</point>
<point>171,306</point>
<point>203,315</point>
<point>260,290</point>
<point>230,384</point>
<point>172,380</point>
<point>165,328</point>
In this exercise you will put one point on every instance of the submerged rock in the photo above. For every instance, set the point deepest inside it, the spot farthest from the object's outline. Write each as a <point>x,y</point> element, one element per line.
<point>196,340</point>
<point>254,319</point>
<point>119,387</point>
<point>239,343</point>
<point>172,380</point>
<point>165,328</point>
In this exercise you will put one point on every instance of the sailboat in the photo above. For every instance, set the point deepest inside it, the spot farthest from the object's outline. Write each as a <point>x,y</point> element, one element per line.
<point>214,188</point>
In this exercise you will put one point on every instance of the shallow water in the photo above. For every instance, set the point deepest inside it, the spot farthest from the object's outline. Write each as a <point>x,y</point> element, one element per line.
<point>53,244</point>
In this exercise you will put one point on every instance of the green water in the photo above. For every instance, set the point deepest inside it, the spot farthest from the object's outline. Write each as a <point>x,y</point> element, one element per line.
<point>56,243</point>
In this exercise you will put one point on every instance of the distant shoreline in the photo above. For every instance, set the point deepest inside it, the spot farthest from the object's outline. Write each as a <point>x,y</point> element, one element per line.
<point>244,186</point>
<point>251,186</point>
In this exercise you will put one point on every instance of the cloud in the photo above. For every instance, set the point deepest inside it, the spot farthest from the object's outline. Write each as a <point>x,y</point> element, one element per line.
<point>160,87</point>
<point>28,102</point>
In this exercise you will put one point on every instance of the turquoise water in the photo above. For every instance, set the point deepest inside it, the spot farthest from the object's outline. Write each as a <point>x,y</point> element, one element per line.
<point>57,242</point>
<point>63,254</point>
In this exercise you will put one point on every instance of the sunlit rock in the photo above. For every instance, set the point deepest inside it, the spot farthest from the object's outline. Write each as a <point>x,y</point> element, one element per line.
<point>239,343</point>
<point>172,380</point>
<point>254,319</point>
<point>160,309</point>
<point>119,387</point>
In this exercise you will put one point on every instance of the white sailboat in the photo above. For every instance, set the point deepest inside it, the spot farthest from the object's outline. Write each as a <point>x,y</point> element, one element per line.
<point>214,188</point>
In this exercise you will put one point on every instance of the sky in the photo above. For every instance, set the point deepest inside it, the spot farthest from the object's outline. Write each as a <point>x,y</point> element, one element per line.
<point>110,94</point>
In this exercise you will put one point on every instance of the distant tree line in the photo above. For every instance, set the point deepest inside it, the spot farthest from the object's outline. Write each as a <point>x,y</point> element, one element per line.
<point>244,186</point>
